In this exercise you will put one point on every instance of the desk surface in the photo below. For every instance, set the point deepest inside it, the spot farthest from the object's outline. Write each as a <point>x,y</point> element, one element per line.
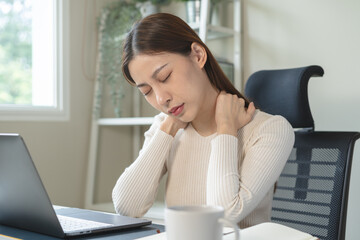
<point>123,234</point>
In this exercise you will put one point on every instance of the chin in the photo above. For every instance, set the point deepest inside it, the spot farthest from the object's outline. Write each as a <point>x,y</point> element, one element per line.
<point>185,118</point>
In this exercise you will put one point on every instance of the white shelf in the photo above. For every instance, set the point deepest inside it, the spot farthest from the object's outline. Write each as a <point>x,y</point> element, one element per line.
<point>132,121</point>
<point>221,31</point>
<point>215,32</point>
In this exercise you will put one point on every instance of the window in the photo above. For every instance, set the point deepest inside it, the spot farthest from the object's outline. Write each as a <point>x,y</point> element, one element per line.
<point>32,55</point>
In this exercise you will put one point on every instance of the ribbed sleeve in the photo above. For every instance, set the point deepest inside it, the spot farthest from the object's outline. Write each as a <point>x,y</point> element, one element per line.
<point>240,186</point>
<point>223,170</point>
<point>135,190</point>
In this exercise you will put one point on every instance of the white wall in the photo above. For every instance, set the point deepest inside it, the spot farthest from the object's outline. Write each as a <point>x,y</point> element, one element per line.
<point>283,34</point>
<point>280,34</point>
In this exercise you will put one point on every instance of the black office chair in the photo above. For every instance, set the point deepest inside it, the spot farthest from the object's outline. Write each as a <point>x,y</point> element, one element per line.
<point>312,191</point>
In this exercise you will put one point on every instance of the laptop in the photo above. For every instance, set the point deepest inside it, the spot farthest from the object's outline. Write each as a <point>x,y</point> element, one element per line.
<point>25,204</point>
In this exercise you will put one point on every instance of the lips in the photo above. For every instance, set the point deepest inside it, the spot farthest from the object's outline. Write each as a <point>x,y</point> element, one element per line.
<point>177,110</point>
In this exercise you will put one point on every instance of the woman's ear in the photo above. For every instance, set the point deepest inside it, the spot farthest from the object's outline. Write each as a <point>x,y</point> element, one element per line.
<point>198,53</point>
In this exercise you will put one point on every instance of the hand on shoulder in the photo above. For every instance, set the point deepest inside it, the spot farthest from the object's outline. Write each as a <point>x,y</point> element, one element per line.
<point>171,125</point>
<point>231,113</point>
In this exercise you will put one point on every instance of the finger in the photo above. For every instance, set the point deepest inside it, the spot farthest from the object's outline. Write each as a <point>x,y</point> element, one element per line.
<point>221,96</point>
<point>242,102</point>
<point>222,93</point>
<point>251,109</point>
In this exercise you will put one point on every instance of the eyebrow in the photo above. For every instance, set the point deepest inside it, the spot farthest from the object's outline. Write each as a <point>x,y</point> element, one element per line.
<point>158,70</point>
<point>154,75</point>
<point>141,85</point>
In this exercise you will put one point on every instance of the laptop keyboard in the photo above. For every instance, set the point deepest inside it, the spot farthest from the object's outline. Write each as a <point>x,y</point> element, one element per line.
<point>70,224</point>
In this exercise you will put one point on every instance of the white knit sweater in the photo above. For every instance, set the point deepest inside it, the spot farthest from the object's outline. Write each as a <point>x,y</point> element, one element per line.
<point>236,173</point>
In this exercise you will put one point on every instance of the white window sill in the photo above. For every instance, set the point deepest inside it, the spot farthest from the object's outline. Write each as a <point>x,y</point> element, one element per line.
<point>22,113</point>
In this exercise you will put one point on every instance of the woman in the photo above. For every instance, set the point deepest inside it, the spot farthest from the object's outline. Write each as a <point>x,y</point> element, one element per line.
<point>216,148</point>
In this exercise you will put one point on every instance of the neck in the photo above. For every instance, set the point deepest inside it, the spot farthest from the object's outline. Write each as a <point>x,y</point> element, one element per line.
<point>204,123</point>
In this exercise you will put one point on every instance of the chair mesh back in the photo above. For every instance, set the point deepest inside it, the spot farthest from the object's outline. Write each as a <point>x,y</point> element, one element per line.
<point>312,190</point>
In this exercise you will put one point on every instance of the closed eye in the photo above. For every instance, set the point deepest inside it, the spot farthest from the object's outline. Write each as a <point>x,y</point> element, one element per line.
<point>144,89</point>
<point>147,93</point>
<point>167,77</point>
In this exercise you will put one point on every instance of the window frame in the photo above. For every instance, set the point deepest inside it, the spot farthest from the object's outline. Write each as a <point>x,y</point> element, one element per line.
<point>60,112</point>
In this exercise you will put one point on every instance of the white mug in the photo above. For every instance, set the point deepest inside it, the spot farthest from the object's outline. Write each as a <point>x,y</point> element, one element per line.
<point>196,223</point>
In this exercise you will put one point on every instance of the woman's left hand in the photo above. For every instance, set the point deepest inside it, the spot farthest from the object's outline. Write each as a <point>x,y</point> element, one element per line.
<point>231,113</point>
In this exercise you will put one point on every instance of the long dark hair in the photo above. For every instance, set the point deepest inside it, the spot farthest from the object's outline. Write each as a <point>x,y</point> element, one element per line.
<point>163,32</point>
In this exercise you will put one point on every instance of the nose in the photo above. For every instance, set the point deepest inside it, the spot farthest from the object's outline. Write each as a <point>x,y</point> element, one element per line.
<point>162,97</point>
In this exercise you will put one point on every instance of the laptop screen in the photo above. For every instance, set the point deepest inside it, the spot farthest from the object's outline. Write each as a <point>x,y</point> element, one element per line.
<point>24,202</point>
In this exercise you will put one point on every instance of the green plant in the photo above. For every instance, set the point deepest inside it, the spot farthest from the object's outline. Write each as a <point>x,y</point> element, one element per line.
<point>115,21</point>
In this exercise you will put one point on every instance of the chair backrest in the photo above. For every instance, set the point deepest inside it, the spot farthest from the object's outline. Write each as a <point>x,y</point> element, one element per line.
<point>312,191</point>
<point>284,92</point>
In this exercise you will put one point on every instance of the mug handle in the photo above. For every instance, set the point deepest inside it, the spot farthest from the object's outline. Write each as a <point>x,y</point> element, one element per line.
<point>233,225</point>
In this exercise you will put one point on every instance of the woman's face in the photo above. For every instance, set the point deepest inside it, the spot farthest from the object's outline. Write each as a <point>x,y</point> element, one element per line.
<point>172,83</point>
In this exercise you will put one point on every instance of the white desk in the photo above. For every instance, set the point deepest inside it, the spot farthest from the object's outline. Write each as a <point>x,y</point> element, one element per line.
<point>264,231</point>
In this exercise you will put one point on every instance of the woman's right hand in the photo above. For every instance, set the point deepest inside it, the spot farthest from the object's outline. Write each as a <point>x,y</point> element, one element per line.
<point>171,125</point>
